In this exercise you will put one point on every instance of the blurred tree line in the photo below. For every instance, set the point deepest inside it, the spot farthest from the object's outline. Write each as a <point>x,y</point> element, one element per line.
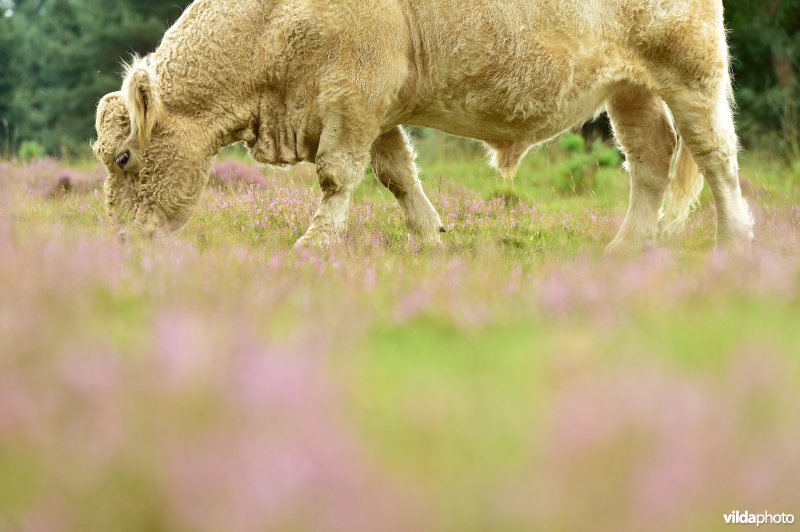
<point>58,57</point>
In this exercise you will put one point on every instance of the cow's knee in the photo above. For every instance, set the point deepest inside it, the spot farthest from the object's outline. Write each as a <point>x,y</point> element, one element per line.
<point>330,180</point>
<point>338,173</point>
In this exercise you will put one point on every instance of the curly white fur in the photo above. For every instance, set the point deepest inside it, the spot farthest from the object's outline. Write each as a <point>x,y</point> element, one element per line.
<point>331,82</point>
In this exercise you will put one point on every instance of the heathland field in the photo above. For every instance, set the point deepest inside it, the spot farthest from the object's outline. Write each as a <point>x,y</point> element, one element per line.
<point>515,380</point>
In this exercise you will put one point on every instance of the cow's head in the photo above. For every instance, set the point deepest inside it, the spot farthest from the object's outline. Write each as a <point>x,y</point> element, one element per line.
<point>157,161</point>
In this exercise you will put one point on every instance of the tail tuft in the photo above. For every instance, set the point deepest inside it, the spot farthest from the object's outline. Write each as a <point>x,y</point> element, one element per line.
<point>683,193</point>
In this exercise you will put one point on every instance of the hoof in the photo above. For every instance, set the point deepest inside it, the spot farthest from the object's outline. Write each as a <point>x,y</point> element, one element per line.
<point>442,230</point>
<point>740,240</point>
<point>432,242</point>
<point>307,244</point>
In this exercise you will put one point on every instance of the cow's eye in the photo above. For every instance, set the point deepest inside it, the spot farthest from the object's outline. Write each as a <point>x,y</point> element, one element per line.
<point>123,159</point>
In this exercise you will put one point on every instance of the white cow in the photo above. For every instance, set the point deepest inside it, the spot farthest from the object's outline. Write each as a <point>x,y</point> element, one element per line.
<point>333,81</point>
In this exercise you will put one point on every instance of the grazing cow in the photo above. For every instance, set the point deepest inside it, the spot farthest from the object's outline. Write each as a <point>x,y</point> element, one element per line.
<point>333,81</point>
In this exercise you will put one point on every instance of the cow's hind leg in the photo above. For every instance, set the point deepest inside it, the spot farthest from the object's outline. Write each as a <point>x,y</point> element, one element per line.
<point>394,166</point>
<point>705,122</point>
<point>645,134</point>
<point>341,161</point>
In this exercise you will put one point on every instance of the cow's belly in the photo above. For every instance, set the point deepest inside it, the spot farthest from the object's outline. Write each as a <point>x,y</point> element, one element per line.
<point>497,123</point>
<point>528,93</point>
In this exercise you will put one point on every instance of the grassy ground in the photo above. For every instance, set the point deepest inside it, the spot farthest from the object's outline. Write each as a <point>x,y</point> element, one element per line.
<point>517,380</point>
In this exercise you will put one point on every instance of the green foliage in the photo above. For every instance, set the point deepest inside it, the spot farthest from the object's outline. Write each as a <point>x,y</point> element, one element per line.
<point>7,82</point>
<point>6,73</point>
<point>579,172</point>
<point>31,151</point>
<point>606,156</point>
<point>765,42</point>
<point>68,54</point>
<point>572,143</point>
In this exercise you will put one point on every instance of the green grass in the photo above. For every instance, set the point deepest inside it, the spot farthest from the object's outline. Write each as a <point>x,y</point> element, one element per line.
<point>516,379</point>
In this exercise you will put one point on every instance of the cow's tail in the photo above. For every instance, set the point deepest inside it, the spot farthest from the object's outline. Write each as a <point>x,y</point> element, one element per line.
<point>683,193</point>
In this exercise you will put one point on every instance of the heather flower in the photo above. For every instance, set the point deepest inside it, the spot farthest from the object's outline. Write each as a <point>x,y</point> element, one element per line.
<point>516,379</point>
<point>230,172</point>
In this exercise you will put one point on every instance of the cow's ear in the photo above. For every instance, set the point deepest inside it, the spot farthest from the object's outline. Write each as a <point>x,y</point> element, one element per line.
<point>111,111</point>
<point>112,124</point>
<point>140,92</point>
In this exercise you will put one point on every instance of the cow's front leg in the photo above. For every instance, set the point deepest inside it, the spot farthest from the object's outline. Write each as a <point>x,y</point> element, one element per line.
<point>339,175</point>
<point>341,161</point>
